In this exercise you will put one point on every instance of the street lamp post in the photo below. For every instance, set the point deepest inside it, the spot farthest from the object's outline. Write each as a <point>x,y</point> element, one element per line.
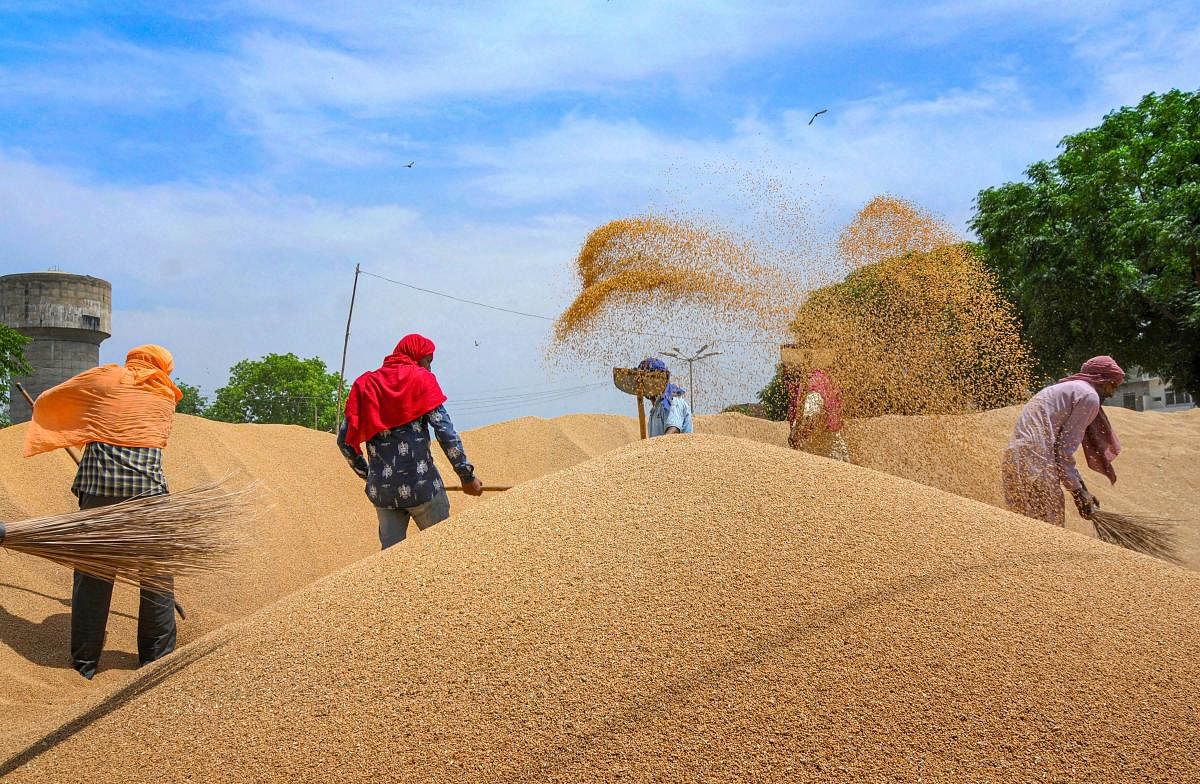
<point>697,357</point>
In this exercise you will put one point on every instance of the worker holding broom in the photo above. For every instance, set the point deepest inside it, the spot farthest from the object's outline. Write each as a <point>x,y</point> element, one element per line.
<point>391,410</point>
<point>670,413</point>
<point>1050,428</point>
<point>122,416</point>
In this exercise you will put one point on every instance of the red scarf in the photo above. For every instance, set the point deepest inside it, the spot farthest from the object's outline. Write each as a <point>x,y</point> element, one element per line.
<point>1100,444</point>
<point>398,393</point>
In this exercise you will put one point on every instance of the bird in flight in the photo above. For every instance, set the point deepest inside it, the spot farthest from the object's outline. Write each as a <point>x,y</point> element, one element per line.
<point>476,344</point>
<point>815,116</point>
<point>409,165</point>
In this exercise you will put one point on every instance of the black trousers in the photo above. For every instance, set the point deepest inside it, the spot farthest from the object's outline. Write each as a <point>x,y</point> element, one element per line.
<point>90,600</point>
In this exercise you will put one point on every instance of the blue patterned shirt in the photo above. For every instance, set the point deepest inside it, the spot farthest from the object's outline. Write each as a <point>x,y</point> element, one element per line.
<point>399,467</point>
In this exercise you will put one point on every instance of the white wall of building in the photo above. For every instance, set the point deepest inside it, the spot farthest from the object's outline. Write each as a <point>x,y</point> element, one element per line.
<point>1142,392</point>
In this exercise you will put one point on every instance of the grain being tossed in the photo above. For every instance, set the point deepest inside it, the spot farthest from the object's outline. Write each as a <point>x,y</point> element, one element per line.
<point>391,410</point>
<point>122,415</point>
<point>1052,426</point>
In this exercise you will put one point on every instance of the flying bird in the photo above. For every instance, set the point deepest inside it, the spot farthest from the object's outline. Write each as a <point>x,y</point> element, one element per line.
<point>476,344</point>
<point>409,165</point>
<point>815,116</point>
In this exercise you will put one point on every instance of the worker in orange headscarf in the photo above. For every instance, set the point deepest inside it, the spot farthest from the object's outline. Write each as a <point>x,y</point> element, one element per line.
<point>122,416</point>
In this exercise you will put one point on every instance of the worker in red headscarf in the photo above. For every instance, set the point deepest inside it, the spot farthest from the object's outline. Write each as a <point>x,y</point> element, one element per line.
<point>1051,427</point>
<point>391,410</point>
<point>815,414</point>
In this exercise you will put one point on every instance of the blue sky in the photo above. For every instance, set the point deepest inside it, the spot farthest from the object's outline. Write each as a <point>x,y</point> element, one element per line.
<point>225,165</point>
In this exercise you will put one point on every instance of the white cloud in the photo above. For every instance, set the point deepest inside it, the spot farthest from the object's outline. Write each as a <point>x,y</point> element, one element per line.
<point>98,70</point>
<point>930,149</point>
<point>1156,53</point>
<point>225,272</point>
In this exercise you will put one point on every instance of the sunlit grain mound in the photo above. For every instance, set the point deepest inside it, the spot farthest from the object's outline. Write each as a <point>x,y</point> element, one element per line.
<point>961,455</point>
<point>319,520</point>
<point>687,609</point>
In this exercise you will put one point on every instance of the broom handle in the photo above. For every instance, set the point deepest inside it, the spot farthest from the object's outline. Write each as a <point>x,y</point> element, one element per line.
<point>485,487</point>
<point>70,449</point>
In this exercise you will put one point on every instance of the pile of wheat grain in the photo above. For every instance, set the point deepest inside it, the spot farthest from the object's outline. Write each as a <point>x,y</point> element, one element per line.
<point>687,609</point>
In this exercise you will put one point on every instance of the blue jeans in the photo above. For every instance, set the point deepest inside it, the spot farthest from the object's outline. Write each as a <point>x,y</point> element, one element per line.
<point>393,523</point>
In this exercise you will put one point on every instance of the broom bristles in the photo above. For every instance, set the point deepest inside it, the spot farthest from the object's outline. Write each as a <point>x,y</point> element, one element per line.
<point>1152,536</point>
<point>145,540</point>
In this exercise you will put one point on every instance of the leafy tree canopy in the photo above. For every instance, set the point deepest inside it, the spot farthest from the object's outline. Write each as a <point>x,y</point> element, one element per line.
<point>12,353</point>
<point>1099,249</point>
<point>192,402</point>
<point>12,364</point>
<point>278,389</point>
<point>773,398</point>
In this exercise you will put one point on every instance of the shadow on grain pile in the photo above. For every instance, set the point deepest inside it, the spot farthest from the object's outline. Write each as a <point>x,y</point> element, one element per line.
<point>686,609</point>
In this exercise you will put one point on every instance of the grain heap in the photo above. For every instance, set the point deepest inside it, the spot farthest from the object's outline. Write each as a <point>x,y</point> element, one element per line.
<point>587,626</point>
<point>916,327</point>
<point>961,455</point>
<point>318,521</point>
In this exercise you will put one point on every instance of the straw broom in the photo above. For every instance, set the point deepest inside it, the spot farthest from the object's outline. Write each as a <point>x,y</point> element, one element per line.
<point>1152,536</point>
<point>144,540</point>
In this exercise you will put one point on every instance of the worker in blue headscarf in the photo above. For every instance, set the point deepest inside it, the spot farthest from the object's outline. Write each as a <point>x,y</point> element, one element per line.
<point>670,413</point>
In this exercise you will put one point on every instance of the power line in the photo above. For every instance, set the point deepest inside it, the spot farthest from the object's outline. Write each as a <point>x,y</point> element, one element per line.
<point>549,396</point>
<point>529,395</point>
<point>459,299</point>
<point>550,318</point>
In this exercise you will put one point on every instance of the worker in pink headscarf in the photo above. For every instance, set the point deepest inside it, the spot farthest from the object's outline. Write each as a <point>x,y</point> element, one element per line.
<point>1052,426</point>
<point>815,413</point>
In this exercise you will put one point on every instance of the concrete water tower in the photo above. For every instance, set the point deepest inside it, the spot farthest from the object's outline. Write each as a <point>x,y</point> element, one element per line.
<point>68,316</point>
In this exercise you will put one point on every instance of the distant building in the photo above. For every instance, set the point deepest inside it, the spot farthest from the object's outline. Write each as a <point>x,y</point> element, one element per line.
<point>68,317</point>
<point>1143,392</point>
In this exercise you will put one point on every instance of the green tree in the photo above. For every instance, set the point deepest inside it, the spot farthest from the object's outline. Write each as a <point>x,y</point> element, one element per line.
<point>12,364</point>
<point>1099,249</point>
<point>278,389</point>
<point>774,397</point>
<point>192,402</point>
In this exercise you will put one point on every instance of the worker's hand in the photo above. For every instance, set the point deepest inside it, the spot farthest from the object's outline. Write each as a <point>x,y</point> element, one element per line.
<point>1086,503</point>
<point>474,487</point>
<point>671,431</point>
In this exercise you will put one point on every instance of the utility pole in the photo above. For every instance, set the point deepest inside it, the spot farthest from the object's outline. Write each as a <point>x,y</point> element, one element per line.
<point>345,347</point>
<point>697,357</point>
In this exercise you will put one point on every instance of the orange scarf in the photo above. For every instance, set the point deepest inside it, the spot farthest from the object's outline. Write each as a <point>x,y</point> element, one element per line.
<point>131,406</point>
